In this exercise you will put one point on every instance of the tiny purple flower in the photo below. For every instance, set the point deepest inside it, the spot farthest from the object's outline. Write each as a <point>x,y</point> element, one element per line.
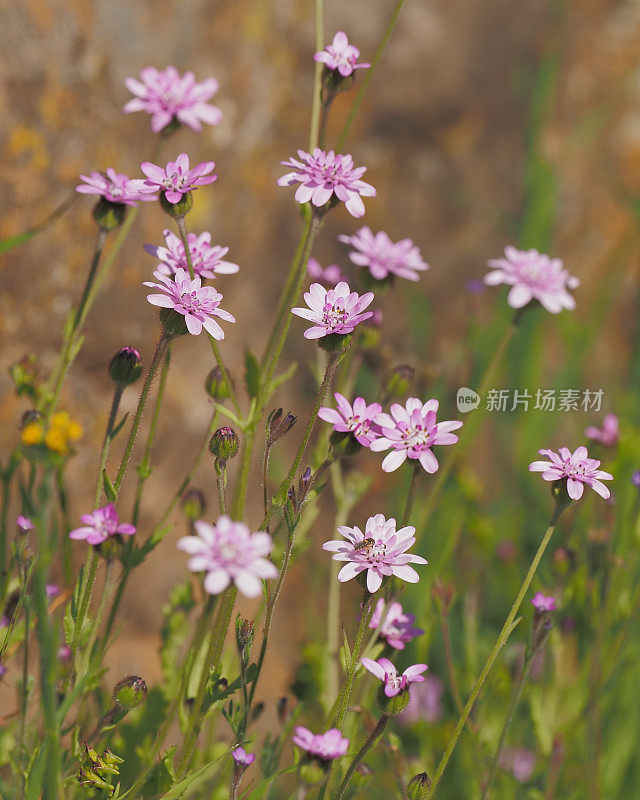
<point>385,671</point>
<point>520,762</point>
<point>336,310</point>
<point>340,55</point>
<point>3,671</point>
<point>115,187</point>
<point>383,257</point>
<point>397,627</point>
<point>176,179</point>
<point>24,523</point>
<point>328,276</point>
<point>197,303</point>
<point>608,435</point>
<point>533,276</point>
<point>542,602</point>
<point>52,590</point>
<point>322,175</point>
<point>100,525</point>
<point>229,552</point>
<point>635,478</point>
<point>166,94</point>
<point>206,259</point>
<point>64,653</point>
<point>411,432</point>
<point>380,550</point>
<point>242,758</point>
<point>356,419</point>
<point>324,746</point>
<point>576,467</point>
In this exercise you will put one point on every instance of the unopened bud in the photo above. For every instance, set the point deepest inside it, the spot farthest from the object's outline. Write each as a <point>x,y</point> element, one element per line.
<point>224,444</point>
<point>282,710</point>
<point>193,504</point>
<point>244,633</point>
<point>130,692</point>
<point>109,215</point>
<point>398,381</point>
<point>419,786</point>
<point>126,366</point>
<point>216,386</point>
<point>277,426</point>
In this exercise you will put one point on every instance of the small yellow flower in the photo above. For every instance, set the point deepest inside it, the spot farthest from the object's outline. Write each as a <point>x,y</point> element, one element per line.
<point>56,440</point>
<point>74,430</point>
<point>60,420</point>
<point>32,434</point>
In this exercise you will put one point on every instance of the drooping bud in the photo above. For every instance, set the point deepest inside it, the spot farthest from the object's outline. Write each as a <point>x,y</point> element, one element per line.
<point>398,381</point>
<point>277,426</point>
<point>419,786</point>
<point>126,366</point>
<point>193,504</point>
<point>216,386</point>
<point>109,215</point>
<point>224,444</point>
<point>130,692</point>
<point>179,209</point>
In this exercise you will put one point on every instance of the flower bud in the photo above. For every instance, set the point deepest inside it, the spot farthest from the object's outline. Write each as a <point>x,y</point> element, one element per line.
<point>216,386</point>
<point>125,367</point>
<point>193,504</point>
<point>277,427</point>
<point>244,634</point>
<point>418,787</point>
<point>335,342</point>
<point>29,417</point>
<point>130,692</point>
<point>398,380</point>
<point>282,709</point>
<point>109,215</point>
<point>179,209</point>
<point>224,444</point>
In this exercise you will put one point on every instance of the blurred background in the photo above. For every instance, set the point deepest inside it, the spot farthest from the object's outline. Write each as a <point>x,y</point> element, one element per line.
<point>488,123</point>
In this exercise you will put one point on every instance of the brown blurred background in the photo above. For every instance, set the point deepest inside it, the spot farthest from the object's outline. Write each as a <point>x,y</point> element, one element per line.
<point>445,132</point>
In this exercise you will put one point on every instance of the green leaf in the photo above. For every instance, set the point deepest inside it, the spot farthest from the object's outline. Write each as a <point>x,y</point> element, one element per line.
<point>109,488</point>
<point>347,649</point>
<point>115,431</point>
<point>252,373</point>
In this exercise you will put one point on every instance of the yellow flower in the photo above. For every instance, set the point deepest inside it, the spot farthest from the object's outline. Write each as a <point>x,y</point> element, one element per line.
<point>56,440</point>
<point>31,434</point>
<point>60,420</point>
<point>74,430</point>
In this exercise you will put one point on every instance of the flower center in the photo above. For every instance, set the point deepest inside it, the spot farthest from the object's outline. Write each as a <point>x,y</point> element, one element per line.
<point>334,316</point>
<point>417,436</point>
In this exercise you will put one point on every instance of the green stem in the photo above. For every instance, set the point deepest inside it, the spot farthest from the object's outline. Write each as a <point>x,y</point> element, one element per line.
<point>363,624</point>
<point>106,444</point>
<point>221,479</point>
<point>499,644</point>
<point>375,734</point>
<point>88,578</point>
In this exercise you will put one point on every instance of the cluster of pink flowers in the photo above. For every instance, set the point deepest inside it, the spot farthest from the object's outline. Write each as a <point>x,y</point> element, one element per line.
<point>382,257</point>
<point>323,746</point>
<point>206,259</point>
<point>533,276</point>
<point>340,56</point>
<point>336,310</point>
<point>101,524</point>
<point>229,552</point>
<point>577,468</point>
<point>380,551</point>
<point>166,95</point>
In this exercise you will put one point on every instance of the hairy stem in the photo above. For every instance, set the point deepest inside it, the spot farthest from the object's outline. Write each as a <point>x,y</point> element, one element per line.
<point>106,444</point>
<point>375,734</point>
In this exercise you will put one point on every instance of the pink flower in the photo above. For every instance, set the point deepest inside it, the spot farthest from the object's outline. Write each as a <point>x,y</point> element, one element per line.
<point>100,525</point>
<point>384,670</point>
<point>176,179</point>
<point>340,55</point>
<point>576,467</point>
<point>356,419</point>
<point>608,435</point>
<point>323,175</point>
<point>24,523</point>
<point>411,432</point>
<point>242,758</point>
<point>64,653</point>
<point>328,276</point>
<point>520,762</point>
<point>229,552</point>
<point>381,550</point>
<point>52,590</point>
<point>383,257</point>
<point>165,95</point>
<point>206,259</point>
<point>336,310</point>
<point>397,627</point>
<point>324,746</point>
<point>533,276</point>
<point>543,602</point>
<point>115,187</point>
<point>198,304</point>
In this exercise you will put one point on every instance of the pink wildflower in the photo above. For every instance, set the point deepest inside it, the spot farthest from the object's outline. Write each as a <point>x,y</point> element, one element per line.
<point>384,670</point>
<point>576,467</point>
<point>52,590</point>
<point>336,310</point>
<point>322,175</point>
<point>608,435</point>
<point>24,523</point>
<point>383,257</point>
<point>340,55</point>
<point>198,304</point>
<point>100,524</point>
<point>328,276</point>
<point>242,758</point>
<point>176,179</point>
<point>381,550</point>
<point>519,761</point>
<point>397,627</point>
<point>356,419</point>
<point>115,187</point>
<point>543,602</point>
<point>324,746</point>
<point>411,432</point>
<point>533,276</point>
<point>229,552</point>
<point>165,95</point>
<point>206,259</point>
